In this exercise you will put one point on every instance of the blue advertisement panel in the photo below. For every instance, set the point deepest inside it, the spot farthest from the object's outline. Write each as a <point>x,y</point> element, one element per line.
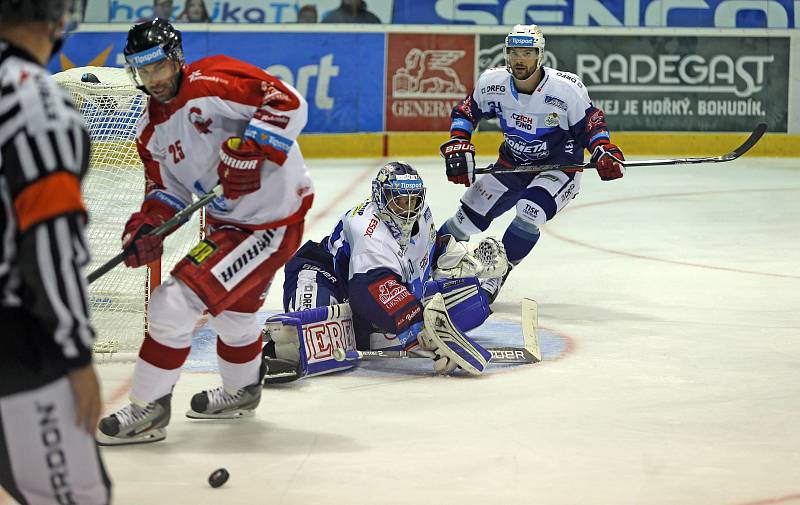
<point>340,74</point>
<point>237,11</point>
<point>673,13</point>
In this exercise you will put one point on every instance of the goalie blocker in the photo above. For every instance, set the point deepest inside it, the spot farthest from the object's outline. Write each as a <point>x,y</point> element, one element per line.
<point>302,343</point>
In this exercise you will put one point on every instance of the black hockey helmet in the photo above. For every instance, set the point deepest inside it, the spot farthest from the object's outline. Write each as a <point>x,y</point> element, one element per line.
<point>150,42</point>
<point>145,37</point>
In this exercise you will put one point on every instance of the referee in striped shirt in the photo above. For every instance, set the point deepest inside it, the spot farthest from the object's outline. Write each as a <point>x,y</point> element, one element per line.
<point>49,394</point>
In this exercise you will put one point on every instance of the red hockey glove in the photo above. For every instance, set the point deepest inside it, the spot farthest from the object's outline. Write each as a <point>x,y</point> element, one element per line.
<point>607,167</point>
<point>240,167</point>
<point>459,159</point>
<point>140,248</point>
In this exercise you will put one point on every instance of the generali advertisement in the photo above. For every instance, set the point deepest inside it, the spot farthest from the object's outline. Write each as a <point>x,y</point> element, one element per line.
<point>426,76</point>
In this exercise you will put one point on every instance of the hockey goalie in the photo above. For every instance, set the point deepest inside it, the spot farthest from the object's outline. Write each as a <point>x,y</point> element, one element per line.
<point>384,280</point>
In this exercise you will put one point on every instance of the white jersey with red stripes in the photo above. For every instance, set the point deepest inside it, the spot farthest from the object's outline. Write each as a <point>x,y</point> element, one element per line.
<point>221,97</point>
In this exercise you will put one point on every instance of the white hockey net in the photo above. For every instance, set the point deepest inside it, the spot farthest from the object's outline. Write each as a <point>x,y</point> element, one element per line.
<point>112,190</point>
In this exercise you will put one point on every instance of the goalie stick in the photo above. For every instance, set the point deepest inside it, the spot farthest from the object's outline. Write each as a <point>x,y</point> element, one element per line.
<point>754,137</point>
<point>176,220</point>
<point>528,354</point>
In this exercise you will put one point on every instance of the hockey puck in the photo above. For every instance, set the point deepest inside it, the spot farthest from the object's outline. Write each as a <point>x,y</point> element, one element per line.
<point>90,77</point>
<point>218,477</point>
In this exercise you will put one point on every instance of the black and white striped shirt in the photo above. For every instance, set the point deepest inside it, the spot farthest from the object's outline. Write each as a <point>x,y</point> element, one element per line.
<point>44,153</point>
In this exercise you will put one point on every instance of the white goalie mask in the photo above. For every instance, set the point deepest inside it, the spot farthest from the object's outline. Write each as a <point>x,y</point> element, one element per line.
<point>399,193</point>
<point>525,36</point>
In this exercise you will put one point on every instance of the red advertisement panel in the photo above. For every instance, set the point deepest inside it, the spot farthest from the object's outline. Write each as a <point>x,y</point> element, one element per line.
<point>426,76</point>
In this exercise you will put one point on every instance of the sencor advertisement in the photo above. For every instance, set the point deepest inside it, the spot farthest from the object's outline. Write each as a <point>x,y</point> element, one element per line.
<point>340,74</point>
<point>653,83</point>
<point>632,13</point>
<point>655,13</point>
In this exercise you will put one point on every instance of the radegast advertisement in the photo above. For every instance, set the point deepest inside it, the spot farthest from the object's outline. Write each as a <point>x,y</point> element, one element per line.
<point>339,74</point>
<point>651,83</point>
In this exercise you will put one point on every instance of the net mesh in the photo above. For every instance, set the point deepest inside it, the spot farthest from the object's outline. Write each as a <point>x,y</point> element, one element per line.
<point>113,189</point>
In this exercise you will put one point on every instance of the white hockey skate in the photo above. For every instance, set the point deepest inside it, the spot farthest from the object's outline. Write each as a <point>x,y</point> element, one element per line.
<point>218,403</point>
<point>136,424</point>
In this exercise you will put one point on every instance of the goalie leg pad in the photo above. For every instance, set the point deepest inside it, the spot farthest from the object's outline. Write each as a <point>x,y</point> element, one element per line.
<point>452,348</point>
<point>309,337</point>
<point>467,304</point>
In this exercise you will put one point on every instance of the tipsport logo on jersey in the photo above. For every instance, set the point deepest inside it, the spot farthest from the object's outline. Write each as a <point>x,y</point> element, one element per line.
<point>426,76</point>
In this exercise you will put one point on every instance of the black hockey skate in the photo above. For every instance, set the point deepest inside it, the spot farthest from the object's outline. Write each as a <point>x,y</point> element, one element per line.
<point>218,403</point>
<point>136,424</point>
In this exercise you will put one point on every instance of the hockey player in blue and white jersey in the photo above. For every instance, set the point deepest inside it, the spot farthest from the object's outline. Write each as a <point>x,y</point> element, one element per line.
<point>385,258</point>
<point>547,118</point>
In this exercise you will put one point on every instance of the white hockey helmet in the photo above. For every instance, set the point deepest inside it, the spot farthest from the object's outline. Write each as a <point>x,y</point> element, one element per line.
<point>525,36</point>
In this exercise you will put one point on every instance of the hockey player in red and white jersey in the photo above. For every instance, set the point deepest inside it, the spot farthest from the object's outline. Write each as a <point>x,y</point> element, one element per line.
<point>215,121</point>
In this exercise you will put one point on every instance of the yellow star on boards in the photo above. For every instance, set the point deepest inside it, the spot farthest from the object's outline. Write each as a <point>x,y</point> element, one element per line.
<point>97,61</point>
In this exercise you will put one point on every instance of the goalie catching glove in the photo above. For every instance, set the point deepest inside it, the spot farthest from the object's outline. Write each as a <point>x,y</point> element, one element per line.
<point>239,167</point>
<point>486,260</point>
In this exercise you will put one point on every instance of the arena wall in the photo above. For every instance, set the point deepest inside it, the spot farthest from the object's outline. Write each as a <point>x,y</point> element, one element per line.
<point>387,90</point>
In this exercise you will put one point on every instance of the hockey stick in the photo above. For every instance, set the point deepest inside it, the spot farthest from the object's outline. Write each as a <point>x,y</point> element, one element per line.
<point>754,137</point>
<point>528,354</point>
<point>515,355</point>
<point>177,220</point>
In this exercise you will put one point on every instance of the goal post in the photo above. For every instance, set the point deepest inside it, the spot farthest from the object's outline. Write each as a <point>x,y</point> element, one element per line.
<point>113,189</point>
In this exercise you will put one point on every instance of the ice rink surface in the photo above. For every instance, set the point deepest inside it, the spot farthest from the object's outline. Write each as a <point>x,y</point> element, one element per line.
<point>668,301</point>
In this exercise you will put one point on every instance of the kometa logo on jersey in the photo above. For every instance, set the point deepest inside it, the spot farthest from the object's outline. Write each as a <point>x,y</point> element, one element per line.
<point>532,149</point>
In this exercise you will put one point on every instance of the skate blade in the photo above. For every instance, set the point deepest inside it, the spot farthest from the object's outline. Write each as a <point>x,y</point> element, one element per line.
<point>145,438</point>
<point>234,414</point>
